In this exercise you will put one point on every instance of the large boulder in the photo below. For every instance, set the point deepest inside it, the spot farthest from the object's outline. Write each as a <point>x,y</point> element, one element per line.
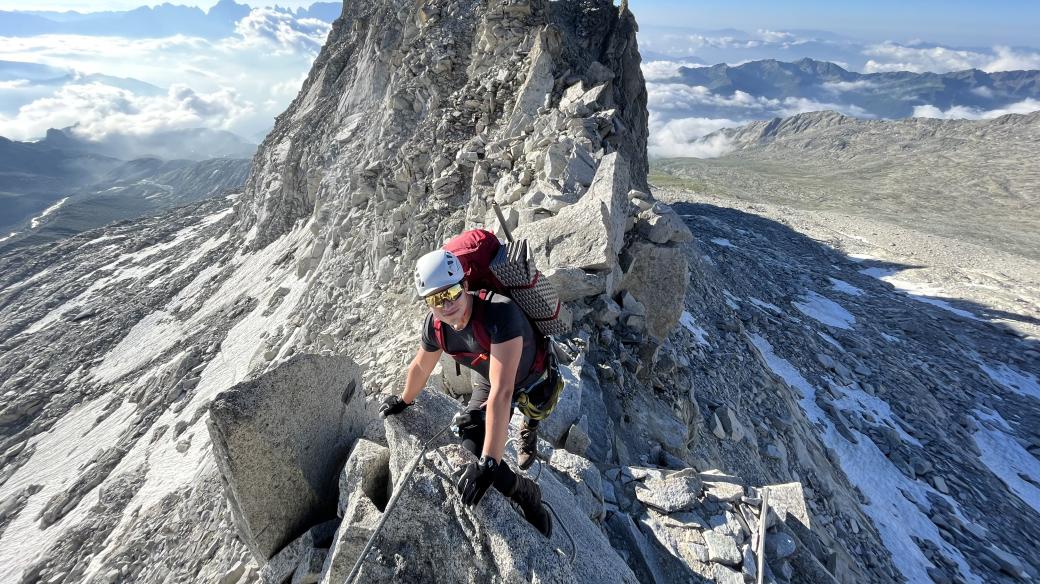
<point>360,517</point>
<point>656,276</point>
<point>279,441</point>
<point>667,491</point>
<point>589,234</point>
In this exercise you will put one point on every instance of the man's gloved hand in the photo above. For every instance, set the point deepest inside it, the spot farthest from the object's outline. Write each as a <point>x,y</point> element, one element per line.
<point>476,478</point>
<point>392,405</point>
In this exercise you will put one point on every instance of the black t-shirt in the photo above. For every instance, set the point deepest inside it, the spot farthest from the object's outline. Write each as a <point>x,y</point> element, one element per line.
<point>503,320</point>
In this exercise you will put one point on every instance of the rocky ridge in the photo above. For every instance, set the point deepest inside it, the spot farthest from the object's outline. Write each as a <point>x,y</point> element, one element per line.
<point>119,343</point>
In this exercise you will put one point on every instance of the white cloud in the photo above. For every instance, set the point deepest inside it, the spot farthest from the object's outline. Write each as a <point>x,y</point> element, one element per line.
<point>1007,59</point>
<point>97,110</point>
<point>665,70</point>
<point>281,31</point>
<point>14,84</point>
<point>690,137</point>
<point>982,91</point>
<point>680,97</point>
<point>265,61</point>
<point>776,36</point>
<point>843,86</point>
<point>690,44</point>
<point>896,57</point>
<point>675,100</point>
<point>960,112</point>
<point>800,105</point>
<point>891,56</point>
<point>290,87</point>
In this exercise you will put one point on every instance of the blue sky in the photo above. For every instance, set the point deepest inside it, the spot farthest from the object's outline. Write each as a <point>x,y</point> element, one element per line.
<point>957,22</point>
<point>961,22</point>
<point>244,75</point>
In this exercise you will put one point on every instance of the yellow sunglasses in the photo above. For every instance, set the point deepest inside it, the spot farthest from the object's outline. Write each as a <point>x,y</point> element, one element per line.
<point>439,299</point>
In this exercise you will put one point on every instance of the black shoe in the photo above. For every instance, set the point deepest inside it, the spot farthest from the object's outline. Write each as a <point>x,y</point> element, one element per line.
<point>528,496</point>
<point>527,450</point>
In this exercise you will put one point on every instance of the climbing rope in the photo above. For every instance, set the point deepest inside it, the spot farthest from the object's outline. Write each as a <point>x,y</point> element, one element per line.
<point>390,505</point>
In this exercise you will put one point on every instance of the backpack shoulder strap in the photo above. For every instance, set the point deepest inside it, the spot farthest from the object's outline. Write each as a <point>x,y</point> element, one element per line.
<point>479,330</point>
<point>479,333</point>
<point>438,333</point>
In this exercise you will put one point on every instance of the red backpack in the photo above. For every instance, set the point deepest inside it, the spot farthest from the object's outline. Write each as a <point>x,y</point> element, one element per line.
<point>475,249</point>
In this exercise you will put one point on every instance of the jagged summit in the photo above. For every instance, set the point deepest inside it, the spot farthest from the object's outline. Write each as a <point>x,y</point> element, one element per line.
<point>189,397</point>
<point>398,92</point>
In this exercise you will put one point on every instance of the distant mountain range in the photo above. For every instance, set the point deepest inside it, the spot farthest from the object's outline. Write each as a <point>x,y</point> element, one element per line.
<point>147,21</point>
<point>187,144</point>
<point>131,190</point>
<point>46,75</point>
<point>119,177</point>
<point>883,95</point>
<point>969,180</point>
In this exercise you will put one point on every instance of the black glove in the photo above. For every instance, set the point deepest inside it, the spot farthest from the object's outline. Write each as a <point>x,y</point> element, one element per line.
<point>476,478</point>
<point>392,405</point>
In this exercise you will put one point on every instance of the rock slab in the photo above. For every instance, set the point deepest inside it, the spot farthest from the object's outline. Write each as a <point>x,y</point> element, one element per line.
<point>279,440</point>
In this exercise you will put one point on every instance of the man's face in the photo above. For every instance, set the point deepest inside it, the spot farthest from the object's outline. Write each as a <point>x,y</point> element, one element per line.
<point>454,313</point>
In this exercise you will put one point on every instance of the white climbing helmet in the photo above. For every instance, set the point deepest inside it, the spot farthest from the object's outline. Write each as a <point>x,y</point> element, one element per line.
<point>435,270</point>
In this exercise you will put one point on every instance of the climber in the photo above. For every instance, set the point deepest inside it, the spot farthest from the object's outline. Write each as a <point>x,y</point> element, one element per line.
<point>502,372</point>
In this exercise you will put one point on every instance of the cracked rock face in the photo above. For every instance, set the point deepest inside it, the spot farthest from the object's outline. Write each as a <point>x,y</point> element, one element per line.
<point>696,383</point>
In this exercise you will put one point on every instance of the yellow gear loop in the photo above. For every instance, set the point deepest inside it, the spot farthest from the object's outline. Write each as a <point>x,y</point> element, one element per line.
<point>542,410</point>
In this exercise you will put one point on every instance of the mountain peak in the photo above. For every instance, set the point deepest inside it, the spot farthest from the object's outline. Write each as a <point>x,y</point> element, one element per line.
<point>229,9</point>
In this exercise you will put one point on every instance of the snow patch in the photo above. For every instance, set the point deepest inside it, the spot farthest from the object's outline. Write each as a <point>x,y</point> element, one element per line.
<point>60,454</point>
<point>869,406</point>
<point>699,334</point>
<point>8,236</point>
<point>944,305</point>
<point>1006,458</point>
<point>103,238</point>
<point>196,255</point>
<point>879,273</point>
<point>765,305</point>
<point>844,287</point>
<point>723,242</point>
<point>731,300</point>
<point>1018,382</point>
<point>825,310</point>
<point>211,219</point>
<point>168,469</point>
<point>831,340</point>
<point>919,292</point>
<point>899,519</point>
<point>148,339</point>
<point>38,220</point>
<point>890,338</point>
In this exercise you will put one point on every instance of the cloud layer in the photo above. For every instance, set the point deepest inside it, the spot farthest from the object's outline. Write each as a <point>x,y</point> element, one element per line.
<point>238,83</point>
<point>735,47</point>
<point>97,110</point>
<point>959,112</point>
<point>686,137</point>
<point>684,112</point>
<point>243,81</point>
<point>281,31</point>
<point>891,56</point>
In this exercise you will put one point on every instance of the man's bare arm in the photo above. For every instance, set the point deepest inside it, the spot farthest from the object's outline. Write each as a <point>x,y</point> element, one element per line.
<point>419,373</point>
<point>505,359</point>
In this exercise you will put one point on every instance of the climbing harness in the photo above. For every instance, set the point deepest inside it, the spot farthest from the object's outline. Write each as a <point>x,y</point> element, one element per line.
<point>400,490</point>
